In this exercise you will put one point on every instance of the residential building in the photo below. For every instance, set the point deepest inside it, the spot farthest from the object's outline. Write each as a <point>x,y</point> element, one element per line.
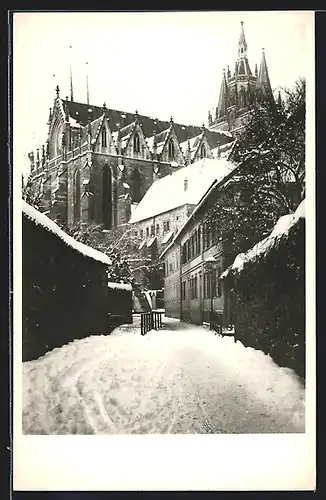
<point>194,260</point>
<point>170,201</point>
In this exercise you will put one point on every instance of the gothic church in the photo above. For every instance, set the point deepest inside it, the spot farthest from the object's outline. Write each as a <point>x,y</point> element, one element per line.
<point>98,163</point>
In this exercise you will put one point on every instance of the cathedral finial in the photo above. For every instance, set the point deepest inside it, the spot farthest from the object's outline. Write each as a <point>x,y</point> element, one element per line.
<point>87,87</point>
<point>171,120</point>
<point>57,90</point>
<point>71,86</point>
<point>242,44</point>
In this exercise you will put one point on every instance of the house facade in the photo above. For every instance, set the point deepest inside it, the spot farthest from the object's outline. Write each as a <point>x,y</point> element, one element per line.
<point>193,262</point>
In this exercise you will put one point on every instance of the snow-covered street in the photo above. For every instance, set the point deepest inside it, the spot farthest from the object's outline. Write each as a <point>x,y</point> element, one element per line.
<point>181,379</point>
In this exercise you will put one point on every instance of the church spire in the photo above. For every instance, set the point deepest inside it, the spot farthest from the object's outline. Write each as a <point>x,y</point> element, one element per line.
<point>87,87</point>
<point>242,44</point>
<point>223,99</point>
<point>263,82</point>
<point>71,86</point>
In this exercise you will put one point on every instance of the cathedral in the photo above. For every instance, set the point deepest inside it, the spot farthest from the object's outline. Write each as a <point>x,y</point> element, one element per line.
<point>98,163</point>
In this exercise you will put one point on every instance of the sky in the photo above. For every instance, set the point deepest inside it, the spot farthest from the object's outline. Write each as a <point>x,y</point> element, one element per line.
<point>162,64</point>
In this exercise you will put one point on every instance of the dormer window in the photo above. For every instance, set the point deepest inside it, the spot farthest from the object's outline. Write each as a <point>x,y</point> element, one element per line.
<point>171,149</point>
<point>104,137</point>
<point>203,151</point>
<point>136,143</point>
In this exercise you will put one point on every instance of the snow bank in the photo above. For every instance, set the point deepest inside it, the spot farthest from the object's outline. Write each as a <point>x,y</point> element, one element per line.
<point>179,380</point>
<point>281,228</point>
<point>49,225</point>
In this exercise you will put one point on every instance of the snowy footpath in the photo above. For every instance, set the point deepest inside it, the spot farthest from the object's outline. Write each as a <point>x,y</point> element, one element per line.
<point>181,379</point>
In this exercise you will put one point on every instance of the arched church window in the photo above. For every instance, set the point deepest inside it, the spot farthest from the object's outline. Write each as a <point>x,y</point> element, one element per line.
<point>104,137</point>
<point>203,151</point>
<point>136,186</point>
<point>107,197</point>
<point>136,143</point>
<point>171,149</point>
<point>77,196</point>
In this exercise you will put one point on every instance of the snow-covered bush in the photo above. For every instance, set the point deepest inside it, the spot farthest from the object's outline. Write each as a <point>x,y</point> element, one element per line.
<point>268,295</point>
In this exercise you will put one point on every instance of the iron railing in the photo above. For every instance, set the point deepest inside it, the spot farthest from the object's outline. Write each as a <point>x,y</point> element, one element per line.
<point>150,321</point>
<point>216,322</point>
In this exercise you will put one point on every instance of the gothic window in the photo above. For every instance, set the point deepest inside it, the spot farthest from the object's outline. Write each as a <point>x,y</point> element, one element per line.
<point>203,151</point>
<point>77,196</point>
<point>136,143</point>
<point>136,186</point>
<point>107,197</point>
<point>104,137</point>
<point>171,149</point>
<point>157,228</point>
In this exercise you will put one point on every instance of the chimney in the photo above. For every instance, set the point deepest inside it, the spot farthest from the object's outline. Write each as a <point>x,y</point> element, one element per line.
<point>185,184</point>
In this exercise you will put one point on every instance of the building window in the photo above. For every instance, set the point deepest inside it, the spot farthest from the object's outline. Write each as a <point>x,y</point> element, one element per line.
<point>107,197</point>
<point>183,290</point>
<point>147,232</point>
<point>193,288</point>
<point>136,143</point>
<point>171,149</point>
<point>104,137</point>
<point>136,186</point>
<point>135,233</point>
<point>203,151</point>
<point>157,228</point>
<point>171,267</point>
<point>166,226</point>
<point>142,233</point>
<point>77,196</point>
<point>152,230</point>
<point>219,284</point>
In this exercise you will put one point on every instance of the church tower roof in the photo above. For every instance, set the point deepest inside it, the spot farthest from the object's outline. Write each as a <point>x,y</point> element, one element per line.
<point>242,44</point>
<point>263,81</point>
<point>223,99</point>
<point>242,65</point>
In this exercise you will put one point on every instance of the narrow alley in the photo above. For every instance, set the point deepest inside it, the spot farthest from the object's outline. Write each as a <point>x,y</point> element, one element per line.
<point>182,379</point>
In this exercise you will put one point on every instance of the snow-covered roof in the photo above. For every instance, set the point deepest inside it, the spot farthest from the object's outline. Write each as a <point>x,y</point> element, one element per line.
<point>167,237</point>
<point>199,175</point>
<point>224,150</point>
<point>119,286</point>
<point>42,220</point>
<point>281,228</point>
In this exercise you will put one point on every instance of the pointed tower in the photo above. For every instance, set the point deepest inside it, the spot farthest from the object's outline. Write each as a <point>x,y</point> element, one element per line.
<point>242,44</point>
<point>263,82</point>
<point>87,85</point>
<point>223,99</point>
<point>71,86</point>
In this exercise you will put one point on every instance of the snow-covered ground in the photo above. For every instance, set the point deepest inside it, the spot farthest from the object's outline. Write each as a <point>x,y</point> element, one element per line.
<point>181,379</point>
